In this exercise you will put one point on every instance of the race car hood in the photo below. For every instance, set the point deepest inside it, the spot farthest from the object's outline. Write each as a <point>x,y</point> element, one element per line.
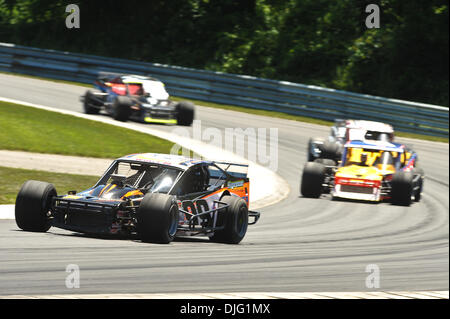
<point>362,172</point>
<point>107,193</point>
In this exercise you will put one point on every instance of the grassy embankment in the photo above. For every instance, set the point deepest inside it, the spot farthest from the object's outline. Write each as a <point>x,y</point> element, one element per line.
<point>30,129</point>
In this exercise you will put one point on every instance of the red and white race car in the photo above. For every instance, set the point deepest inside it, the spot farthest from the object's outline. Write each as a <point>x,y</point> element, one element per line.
<point>136,97</point>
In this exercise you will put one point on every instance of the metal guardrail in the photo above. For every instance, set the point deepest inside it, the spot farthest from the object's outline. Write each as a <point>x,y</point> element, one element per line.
<point>246,91</point>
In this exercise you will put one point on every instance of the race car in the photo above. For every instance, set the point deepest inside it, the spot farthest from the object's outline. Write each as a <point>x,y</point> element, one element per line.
<point>346,130</point>
<point>374,171</point>
<point>140,98</point>
<point>154,196</point>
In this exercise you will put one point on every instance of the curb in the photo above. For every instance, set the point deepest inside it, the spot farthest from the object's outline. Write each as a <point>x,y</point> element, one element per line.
<point>251,295</point>
<point>7,212</point>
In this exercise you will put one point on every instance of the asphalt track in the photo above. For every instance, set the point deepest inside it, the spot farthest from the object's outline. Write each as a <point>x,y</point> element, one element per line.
<point>299,245</point>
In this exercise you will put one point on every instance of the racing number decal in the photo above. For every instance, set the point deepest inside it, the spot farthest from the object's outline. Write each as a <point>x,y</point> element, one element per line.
<point>189,206</point>
<point>202,206</point>
<point>197,207</point>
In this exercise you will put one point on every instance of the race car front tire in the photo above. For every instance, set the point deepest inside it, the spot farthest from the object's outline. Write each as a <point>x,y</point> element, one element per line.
<point>157,218</point>
<point>90,103</point>
<point>122,108</point>
<point>33,203</point>
<point>234,218</point>
<point>312,179</point>
<point>402,188</point>
<point>185,113</point>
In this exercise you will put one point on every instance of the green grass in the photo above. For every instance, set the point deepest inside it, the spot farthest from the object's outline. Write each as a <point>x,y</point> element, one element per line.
<point>13,178</point>
<point>34,130</point>
<point>423,137</point>
<point>275,114</point>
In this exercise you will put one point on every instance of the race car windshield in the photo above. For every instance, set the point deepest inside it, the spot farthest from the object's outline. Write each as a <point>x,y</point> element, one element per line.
<point>155,90</point>
<point>164,181</point>
<point>386,161</point>
<point>148,177</point>
<point>383,160</point>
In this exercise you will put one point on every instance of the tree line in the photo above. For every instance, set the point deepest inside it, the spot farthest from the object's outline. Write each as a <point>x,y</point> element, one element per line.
<point>319,42</point>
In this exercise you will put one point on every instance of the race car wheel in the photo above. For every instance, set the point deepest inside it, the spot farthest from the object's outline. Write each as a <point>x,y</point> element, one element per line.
<point>234,219</point>
<point>185,113</point>
<point>122,108</point>
<point>312,179</point>
<point>310,155</point>
<point>33,204</point>
<point>330,150</point>
<point>157,218</point>
<point>419,188</point>
<point>90,103</point>
<point>402,188</point>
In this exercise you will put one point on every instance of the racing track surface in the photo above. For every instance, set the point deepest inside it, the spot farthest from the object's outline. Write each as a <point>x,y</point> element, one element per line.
<point>299,244</point>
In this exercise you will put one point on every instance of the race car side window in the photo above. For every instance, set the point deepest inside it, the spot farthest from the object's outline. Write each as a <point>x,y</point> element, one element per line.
<point>217,177</point>
<point>194,180</point>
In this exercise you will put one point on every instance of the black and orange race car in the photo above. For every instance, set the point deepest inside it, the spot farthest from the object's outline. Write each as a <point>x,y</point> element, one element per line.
<point>154,196</point>
<point>136,97</point>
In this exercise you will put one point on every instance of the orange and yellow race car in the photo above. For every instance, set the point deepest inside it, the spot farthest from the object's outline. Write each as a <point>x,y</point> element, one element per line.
<point>374,171</point>
<point>154,196</point>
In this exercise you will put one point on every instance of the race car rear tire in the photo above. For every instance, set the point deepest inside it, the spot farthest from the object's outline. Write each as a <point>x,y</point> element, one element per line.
<point>235,220</point>
<point>312,179</point>
<point>122,108</point>
<point>33,202</point>
<point>310,156</point>
<point>90,103</point>
<point>402,188</point>
<point>157,218</point>
<point>185,113</point>
<point>330,150</point>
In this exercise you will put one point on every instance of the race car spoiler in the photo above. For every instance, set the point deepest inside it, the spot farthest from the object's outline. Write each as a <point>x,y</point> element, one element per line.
<point>234,169</point>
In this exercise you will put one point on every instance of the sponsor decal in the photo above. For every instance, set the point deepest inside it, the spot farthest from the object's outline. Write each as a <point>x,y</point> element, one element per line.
<point>235,184</point>
<point>72,197</point>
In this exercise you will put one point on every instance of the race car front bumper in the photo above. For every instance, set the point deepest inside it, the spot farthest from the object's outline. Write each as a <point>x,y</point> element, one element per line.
<point>158,114</point>
<point>83,216</point>
<point>366,190</point>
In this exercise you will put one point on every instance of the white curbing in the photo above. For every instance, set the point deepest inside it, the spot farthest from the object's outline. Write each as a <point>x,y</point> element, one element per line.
<point>7,211</point>
<point>266,186</point>
<point>250,295</point>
